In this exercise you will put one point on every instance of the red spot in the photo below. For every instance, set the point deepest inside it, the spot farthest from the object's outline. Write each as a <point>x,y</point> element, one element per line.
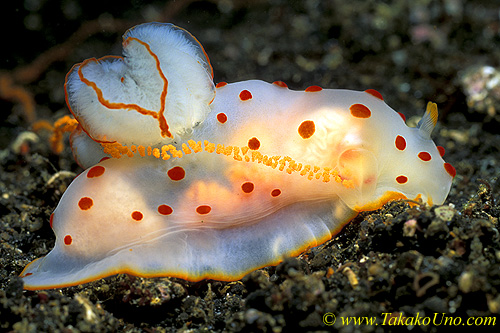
<point>221,117</point>
<point>307,129</point>
<point>247,187</point>
<point>313,89</point>
<point>374,93</point>
<point>360,111</point>
<point>51,219</point>
<point>275,192</point>
<point>402,116</point>
<point>253,143</point>
<point>165,210</point>
<point>424,156</point>
<point>280,84</point>
<point>122,79</point>
<point>401,179</point>
<point>85,203</point>
<point>441,150</point>
<point>450,169</point>
<point>104,159</point>
<point>137,215</point>
<point>245,95</point>
<point>176,173</point>
<point>95,171</point>
<point>400,142</point>
<point>203,209</point>
<point>68,240</point>
<point>221,84</point>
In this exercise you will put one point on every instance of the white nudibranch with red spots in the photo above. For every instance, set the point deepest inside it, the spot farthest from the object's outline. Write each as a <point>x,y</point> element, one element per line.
<point>212,182</point>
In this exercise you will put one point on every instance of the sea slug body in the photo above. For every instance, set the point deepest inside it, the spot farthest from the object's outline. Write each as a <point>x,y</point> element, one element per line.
<point>187,179</point>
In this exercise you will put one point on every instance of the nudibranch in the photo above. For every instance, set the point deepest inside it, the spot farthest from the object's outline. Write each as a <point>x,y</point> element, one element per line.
<point>190,180</point>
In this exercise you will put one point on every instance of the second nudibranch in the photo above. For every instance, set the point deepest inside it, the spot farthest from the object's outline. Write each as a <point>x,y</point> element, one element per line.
<point>192,180</point>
